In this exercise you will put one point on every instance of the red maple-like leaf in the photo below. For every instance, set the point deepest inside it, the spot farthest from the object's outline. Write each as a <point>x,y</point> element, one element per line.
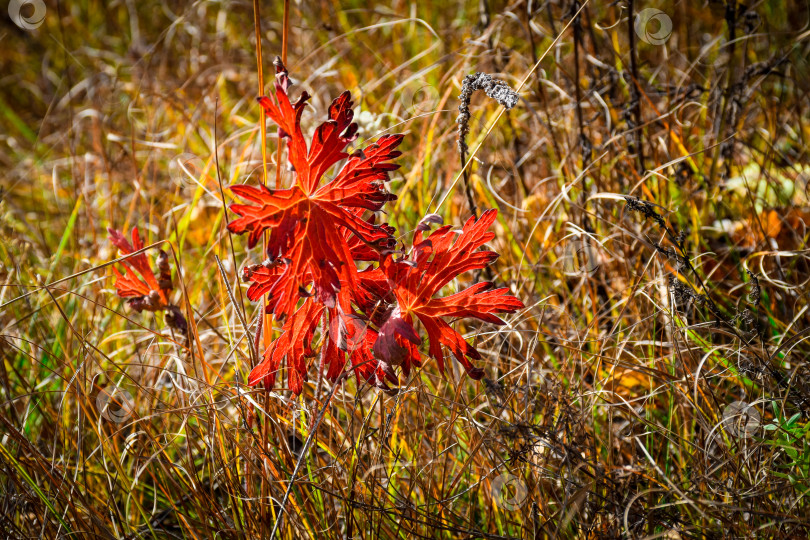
<point>436,261</point>
<point>366,365</point>
<point>266,277</point>
<point>146,292</point>
<point>309,222</point>
<point>294,344</point>
<point>344,334</point>
<point>317,231</point>
<point>373,325</point>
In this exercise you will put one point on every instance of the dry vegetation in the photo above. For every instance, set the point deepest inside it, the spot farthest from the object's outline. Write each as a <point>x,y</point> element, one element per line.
<point>610,403</point>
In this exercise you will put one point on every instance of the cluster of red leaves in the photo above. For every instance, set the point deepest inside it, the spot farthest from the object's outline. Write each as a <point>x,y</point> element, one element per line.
<point>317,233</point>
<point>144,291</point>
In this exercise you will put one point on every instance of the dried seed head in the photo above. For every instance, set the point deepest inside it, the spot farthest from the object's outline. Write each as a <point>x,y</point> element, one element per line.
<point>746,316</point>
<point>494,89</point>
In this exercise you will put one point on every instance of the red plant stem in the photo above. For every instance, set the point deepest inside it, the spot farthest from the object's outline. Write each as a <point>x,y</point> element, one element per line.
<point>268,333</point>
<point>284,31</point>
<point>263,131</point>
<point>262,123</point>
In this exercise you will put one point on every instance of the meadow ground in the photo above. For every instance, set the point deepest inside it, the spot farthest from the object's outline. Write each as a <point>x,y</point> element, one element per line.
<point>651,184</point>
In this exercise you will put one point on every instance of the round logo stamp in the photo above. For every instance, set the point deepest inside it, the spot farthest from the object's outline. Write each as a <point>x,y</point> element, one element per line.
<point>27,14</point>
<point>186,169</point>
<point>579,257</point>
<point>419,98</point>
<point>653,26</point>
<point>509,491</point>
<point>741,419</point>
<point>115,404</point>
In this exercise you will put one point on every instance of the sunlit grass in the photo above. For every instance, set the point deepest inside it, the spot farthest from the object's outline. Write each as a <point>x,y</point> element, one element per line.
<point>605,409</point>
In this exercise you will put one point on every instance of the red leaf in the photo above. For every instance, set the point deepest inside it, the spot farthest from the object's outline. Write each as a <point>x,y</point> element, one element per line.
<point>369,367</point>
<point>293,345</point>
<point>316,228</point>
<point>436,261</point>
<point>343,334</point>
<point>144,292</point>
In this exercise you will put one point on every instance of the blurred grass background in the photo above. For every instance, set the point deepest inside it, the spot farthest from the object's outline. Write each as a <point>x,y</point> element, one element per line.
<point>608,408</point>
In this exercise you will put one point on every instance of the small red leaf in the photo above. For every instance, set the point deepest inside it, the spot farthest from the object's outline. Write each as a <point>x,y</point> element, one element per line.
<point>436,261</point>
<point>144,292</point>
